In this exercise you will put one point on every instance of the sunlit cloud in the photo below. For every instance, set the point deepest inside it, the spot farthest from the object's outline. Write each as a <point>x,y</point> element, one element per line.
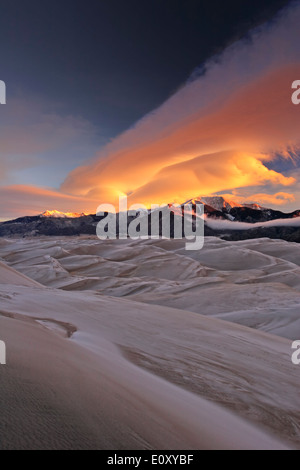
<point>269,200</point>
<point>219,133</point>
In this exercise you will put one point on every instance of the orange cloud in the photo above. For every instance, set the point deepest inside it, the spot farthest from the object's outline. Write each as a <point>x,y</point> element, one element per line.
<point>277,199</point>
<point>223,149</point>
<point>20,200</point>
<point>206,175</point>
<point>215,134</point>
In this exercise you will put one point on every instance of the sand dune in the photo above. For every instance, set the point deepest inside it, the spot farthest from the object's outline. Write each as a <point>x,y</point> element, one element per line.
<point>128,370</point>
<point>10,276</point>
<point>82,400</point>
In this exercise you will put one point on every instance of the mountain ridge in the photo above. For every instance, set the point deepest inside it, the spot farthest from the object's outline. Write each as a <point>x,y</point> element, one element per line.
<point>216,208</point>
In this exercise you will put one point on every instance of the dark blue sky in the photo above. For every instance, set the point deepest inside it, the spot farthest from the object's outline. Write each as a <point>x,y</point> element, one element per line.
<point>112,61</point>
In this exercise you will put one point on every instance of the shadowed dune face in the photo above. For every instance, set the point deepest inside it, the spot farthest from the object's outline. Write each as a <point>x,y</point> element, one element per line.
<point>9,276</point>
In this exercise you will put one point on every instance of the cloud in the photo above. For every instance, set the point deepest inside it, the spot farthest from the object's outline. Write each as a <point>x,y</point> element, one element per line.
<point>219,133</point>
<point>207,174</point>
<point>35,133</point>
<point>20,200</point>
<point>272,194</point>
<point>278,199</point>
<point>215,134</point>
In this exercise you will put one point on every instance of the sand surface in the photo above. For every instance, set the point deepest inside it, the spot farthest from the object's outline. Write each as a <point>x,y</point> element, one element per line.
<point>136,345</point>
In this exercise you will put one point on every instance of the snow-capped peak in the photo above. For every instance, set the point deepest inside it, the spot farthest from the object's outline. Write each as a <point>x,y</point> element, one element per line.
<point>254,206</point>
<point>63,215</point>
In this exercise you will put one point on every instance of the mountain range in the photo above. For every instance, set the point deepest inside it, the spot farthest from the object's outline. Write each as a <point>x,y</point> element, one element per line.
<point>223,218</point>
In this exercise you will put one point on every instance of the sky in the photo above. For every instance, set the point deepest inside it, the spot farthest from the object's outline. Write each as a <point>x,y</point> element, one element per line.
<point>161,101</point>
